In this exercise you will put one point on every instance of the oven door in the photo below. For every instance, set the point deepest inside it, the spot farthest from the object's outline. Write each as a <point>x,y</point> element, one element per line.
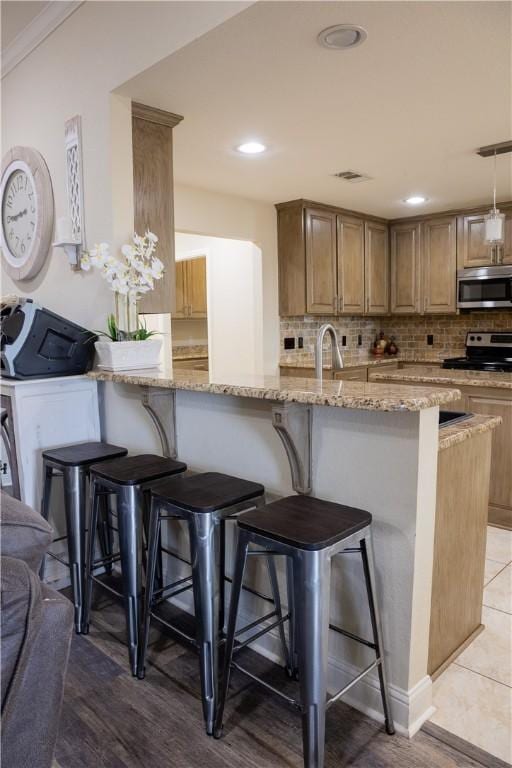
<point>484,289</point>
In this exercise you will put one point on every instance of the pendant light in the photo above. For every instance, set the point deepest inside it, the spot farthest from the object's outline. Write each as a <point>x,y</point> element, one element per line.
<point>494,221</point>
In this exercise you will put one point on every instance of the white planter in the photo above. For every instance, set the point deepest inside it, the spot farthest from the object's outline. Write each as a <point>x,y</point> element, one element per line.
<point>127,355</point>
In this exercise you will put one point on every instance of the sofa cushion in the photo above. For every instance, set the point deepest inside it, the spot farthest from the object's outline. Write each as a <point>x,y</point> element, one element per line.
<point>25,534</point>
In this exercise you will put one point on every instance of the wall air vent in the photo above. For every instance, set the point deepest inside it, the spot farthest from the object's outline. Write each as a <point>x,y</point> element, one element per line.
<point>353,176</point>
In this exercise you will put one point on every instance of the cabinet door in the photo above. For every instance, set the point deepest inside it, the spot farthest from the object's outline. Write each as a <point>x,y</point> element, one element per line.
<point>350,265</point>
<point>500,493</point>
<point>196,287</point>
<point>504,252</point>
<point>439,257</point>
<point>321,262</point>
<point>376,255</point>
<point>405,269</point>
<point>181,290</point>
<point>475,251</point>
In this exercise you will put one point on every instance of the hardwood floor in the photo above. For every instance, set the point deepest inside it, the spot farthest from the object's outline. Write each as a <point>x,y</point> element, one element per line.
<point>111,720</point>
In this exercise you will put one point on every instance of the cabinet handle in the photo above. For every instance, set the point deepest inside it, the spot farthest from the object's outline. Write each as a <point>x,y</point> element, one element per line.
<point>340,304</point>
<point>335,304</point>
<point>367,303</point>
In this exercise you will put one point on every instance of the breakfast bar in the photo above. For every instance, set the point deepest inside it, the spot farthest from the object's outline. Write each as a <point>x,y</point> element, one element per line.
<point>370,446</point>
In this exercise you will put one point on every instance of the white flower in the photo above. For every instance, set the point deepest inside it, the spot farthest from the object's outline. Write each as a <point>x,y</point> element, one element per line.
<point>157,268</point>
<point>85,261</point>
<point>128,251</point>
<point>151,236</point>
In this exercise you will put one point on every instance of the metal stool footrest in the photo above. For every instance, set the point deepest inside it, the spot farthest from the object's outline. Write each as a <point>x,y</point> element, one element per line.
<point>356,679</point>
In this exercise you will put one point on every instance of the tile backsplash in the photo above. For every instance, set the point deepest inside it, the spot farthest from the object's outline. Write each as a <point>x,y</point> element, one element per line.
<point>410,332</point>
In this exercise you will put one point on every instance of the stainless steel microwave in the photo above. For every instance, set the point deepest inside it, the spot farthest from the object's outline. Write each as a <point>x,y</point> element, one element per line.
<point>485,288</point>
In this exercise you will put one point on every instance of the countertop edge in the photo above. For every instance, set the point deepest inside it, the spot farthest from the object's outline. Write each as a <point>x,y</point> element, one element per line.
<point>464,430</point>
<point>487,379</point>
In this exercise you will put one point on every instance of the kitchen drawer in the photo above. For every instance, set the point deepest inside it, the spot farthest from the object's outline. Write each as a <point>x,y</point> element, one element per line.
<point>303,373</point>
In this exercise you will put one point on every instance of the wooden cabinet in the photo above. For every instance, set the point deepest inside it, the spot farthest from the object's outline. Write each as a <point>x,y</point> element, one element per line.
<point>495,402</point>
<point>191,288</point>
<point>473,250</point>
<point>321,262</point>
<point>376,267</point>
<point>439,265</point>
<point>350,266</point>
<point>405,268</point>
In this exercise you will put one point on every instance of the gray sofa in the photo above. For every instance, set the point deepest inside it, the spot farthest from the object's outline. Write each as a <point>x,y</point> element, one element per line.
<point>35,639</point>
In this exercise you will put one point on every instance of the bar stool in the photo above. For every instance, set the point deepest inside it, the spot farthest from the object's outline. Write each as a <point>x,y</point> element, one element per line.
<point>310,532</point>
<point>73,463</point>
<point>129,479</point>
<point>205,501</point>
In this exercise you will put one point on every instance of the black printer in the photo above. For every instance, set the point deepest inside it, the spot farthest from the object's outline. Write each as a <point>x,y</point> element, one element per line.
<point>37,343</point>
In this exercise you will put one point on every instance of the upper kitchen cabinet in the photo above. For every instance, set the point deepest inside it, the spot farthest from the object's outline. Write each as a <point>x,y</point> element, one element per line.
<point>321,262</point>
<point>439,262</point>
<point>350,265</point>
<point>376,258</point>
<point>191,288</point>
<point>473,250</point>
<point>405,266</point>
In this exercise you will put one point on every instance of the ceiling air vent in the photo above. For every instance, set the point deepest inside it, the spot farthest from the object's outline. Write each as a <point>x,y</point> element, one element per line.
<point>353,176</point>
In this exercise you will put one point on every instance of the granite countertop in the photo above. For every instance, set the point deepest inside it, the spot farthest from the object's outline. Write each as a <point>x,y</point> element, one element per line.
<point>342,394</point>
<point>426,375</point>
<point>463,430</point>
<point>355,359</point>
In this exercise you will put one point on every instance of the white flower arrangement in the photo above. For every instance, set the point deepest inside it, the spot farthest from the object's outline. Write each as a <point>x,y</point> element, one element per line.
<point>133,275</point>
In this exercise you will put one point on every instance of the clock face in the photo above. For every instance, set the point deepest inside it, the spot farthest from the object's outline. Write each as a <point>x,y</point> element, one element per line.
<point>19,213</point>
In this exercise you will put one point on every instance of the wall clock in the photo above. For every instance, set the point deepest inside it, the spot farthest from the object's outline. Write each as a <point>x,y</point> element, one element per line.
<point>26,200</point>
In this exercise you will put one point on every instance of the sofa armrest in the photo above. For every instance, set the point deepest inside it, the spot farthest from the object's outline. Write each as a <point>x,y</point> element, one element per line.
<point>25,534</point>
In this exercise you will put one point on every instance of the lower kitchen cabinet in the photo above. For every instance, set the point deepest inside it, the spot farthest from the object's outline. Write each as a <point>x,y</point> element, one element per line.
<point>494,403</point>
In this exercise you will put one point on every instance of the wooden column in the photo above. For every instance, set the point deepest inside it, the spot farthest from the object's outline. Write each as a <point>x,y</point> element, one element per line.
<point>153,190</point>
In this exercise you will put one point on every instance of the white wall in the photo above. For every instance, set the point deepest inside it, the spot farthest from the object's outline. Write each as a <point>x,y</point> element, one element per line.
<point>199,211</point>
<point>99,47</point>
<point>234,298</point>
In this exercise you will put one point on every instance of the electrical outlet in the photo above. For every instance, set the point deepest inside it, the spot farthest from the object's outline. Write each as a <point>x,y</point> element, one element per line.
<point>289,342</point>
<point>343,341</point>
<point>3,469</point>
<point>430,339</point>
<point>359,340</point>
<point>300,342</point>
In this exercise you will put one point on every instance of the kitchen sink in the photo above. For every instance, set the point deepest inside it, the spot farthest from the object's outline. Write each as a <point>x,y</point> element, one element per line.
<point>447,418</point>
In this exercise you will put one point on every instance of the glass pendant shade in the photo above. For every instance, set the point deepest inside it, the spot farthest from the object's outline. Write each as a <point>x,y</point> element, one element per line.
<point>494,227</point>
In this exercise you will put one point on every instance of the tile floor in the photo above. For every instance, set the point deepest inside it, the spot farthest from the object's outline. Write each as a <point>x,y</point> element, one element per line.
<point>473,698</point>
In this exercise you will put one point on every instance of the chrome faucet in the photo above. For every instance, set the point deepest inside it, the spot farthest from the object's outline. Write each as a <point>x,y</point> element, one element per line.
<point>337,360</point>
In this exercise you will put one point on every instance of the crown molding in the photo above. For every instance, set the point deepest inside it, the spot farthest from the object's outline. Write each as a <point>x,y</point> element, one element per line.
<point>46,22</point>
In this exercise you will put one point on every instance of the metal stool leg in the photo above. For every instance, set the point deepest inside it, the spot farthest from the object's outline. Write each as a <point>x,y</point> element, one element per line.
<point>312,592</point>
<point>45,505</point>
<point>204,550</point>
<point>94,504</point>
<point>369,575</point>
<point>153,535</point>
<point>236,589</point>
<point>130,510</point>
<point>293,671</point>
<point>74,496</point>
<point>105,532</point>
<point>274,584</point>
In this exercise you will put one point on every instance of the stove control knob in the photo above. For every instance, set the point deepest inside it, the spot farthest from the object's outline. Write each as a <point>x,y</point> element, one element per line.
<point>479,338</point>
<point>471,338</point>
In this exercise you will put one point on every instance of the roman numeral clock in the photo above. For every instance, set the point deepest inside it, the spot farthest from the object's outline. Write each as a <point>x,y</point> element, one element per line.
<point>26,199</point>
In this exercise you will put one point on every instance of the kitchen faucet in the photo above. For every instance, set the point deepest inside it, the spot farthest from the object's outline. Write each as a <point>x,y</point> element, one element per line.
<point>337,360</point>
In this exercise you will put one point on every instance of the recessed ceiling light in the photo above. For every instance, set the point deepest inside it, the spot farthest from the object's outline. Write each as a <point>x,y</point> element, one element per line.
<point>415,200</point>
<point>251,148</point>
<point>342,36</point>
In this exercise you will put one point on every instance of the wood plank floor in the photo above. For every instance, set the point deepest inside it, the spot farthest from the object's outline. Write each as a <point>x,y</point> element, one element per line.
<point>111,720</point>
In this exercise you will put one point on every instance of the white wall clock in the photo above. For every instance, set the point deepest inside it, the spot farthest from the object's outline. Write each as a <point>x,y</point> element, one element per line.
<point>26,200</point>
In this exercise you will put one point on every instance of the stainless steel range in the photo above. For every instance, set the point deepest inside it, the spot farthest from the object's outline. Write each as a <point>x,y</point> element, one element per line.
<point>485,351</point>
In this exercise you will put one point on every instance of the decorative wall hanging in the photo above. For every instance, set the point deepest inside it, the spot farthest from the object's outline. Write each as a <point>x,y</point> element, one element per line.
<point>70,233</point>
<point>26,201</point>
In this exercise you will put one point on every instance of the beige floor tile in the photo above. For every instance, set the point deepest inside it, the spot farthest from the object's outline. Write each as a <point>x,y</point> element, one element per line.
<point>498,593</point>
<point>499,545</point>
<point>476,709</point>
<point>490,654</point>
<point>492,568</point>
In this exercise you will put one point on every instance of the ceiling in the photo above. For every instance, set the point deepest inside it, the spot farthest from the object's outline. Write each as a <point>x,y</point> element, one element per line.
<point>408,107</point>
<point>16,15</point>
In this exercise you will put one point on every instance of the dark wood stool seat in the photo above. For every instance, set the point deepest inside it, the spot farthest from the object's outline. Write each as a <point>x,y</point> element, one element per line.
<point>206,492</point>
<point>81,454</point>
<point>137,470</point>
<point>305,522</point>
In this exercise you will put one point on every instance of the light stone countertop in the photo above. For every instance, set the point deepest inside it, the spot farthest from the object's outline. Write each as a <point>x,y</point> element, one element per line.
<point>463,430</point>
<point>341,394</point>
<point>355,359</point>
<point>455,378</point>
